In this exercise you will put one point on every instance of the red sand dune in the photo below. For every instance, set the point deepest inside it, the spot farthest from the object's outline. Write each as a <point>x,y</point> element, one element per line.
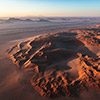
<point>51,56</point>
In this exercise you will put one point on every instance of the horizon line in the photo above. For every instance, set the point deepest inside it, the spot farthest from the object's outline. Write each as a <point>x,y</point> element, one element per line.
<point>46,16</point>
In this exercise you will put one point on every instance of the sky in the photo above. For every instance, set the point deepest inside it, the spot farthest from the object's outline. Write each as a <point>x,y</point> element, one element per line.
<point>58,8</point>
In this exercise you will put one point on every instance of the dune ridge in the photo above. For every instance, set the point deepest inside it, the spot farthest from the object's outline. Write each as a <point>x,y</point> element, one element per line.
<point>48,56</point>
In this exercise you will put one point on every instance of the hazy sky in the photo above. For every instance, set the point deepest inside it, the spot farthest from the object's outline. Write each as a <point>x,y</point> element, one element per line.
<point>18,8</point>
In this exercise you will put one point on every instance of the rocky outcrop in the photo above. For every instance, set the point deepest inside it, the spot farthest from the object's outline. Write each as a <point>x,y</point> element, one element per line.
<point>48,56</point>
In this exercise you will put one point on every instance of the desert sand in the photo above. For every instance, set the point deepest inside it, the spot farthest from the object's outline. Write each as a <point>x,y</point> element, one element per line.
<point>61,65</point>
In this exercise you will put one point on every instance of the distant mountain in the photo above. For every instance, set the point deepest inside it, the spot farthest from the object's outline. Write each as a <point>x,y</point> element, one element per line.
<point>10,20</point>
<point>43,20</point>
<point>13,20</point>
<point>1,20</point>
<point>28,20</point>
<point>52,18</point>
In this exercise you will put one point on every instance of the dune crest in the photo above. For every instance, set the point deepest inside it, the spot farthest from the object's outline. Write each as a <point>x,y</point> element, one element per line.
<point>48,56</point>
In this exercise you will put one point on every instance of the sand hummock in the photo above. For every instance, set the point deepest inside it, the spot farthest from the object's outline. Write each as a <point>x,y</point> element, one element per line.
<point>63,63</point>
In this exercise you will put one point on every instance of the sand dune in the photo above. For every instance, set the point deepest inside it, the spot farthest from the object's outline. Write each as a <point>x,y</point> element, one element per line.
<point>63,64</point>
